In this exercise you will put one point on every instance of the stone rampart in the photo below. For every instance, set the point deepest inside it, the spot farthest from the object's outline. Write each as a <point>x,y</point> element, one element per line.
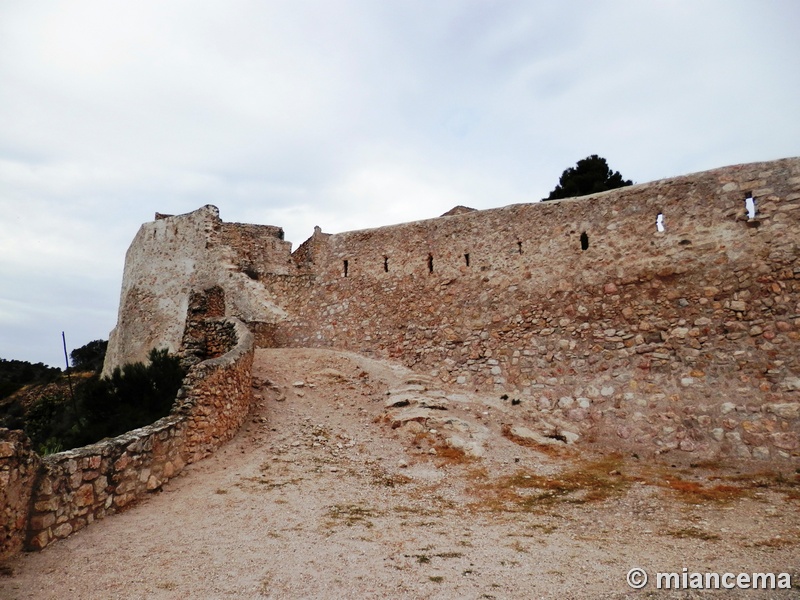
<point>217,394</point>
<point>687,338</point>
<point>78,486</point>
<point>175,255</point>
<point>656,317</point>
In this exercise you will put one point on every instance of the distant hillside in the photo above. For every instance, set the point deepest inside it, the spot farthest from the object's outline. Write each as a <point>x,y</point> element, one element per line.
<point>15,374</point>
<point>58,412</point>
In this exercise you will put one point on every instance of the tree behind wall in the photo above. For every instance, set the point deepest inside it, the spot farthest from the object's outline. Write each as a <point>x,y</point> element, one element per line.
<point>589,176</point>
<point>133,396</point>
<point>89,357</point>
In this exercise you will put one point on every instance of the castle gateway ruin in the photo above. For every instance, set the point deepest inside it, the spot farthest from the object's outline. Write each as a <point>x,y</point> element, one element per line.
<point>659,317</point>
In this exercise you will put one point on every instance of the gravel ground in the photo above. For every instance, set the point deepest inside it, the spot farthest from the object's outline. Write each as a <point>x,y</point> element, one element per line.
<point>324,495</point>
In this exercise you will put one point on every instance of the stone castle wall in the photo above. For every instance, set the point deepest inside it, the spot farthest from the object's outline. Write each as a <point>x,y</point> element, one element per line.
<point>174,255</point>
<point>683,339</point>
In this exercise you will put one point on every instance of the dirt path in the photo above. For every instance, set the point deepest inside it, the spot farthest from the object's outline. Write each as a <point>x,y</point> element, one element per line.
<point>320,497</point>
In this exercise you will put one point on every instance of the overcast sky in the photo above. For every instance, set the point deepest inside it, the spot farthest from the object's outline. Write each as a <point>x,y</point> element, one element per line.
<point>347,114</point>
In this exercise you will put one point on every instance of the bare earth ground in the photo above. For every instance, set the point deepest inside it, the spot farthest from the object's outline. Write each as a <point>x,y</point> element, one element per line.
<point>320,497</point>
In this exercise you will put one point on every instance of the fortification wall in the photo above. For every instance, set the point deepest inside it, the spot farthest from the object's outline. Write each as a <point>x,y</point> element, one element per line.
<point>52,497</point>
<point>687,338</point>
<point>216,396</point>
<point>172,256</point>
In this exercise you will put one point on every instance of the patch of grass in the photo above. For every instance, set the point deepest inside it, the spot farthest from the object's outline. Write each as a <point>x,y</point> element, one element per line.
<point>415,510</point>
<point>265,585</point>
<point>390,480</point>
<point>695,492</point>
<point>556,450</point>
<point>593,481</point>
<point>545,529</point>
<point>478,474</point>
<point>786,484</point>
<point>776,542</point>
<point>269,483</point>
<point>449,555</point>
<point>510,563</point>
<point>352,514</point>
<point>446,455</point>
<point>693,533</point>
<point>167,585</point>
<point>436,578</point>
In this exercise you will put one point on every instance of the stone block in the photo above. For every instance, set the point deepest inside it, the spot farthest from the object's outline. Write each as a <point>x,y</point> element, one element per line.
<point>42,521</point>
<point>40,540</point>
<point>7,449</point>
<point>789,410</point>
<point>46,504</point>
<point>84,496</point>
<point>62,530</point>
<point>786,440</point>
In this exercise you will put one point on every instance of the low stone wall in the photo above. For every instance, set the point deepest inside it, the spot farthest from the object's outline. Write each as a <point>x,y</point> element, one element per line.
<point>19,465</point>
<point>217,394</point>
<point>78,486</point>
<point>46,499</point>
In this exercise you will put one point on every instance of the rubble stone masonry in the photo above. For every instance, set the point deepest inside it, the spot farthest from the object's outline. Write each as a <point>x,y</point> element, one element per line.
<point>655,318</point>
<point>19,466</point>
<point>685,339</point>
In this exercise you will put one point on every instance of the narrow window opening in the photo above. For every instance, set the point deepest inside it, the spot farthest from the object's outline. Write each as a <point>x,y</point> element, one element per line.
<point>584,241</point>
<point>466,258</point>
<point>660,223</point>
<point>430,263</point>
<point>519,247</point>
<point>385,264</point>
<point>750,205</point>
<point>346,268</point>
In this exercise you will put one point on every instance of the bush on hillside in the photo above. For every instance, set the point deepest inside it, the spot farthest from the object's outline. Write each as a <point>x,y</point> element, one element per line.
<point>133,396</point>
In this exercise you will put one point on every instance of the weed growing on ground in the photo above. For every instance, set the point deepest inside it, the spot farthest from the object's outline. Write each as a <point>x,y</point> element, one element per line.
<point>593,481</point>
<point>693,533</point>
<point>351,514</point>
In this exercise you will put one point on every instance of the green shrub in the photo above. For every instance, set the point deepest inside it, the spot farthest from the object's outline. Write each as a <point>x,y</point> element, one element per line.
<point>89,357</point>
<point>49,418</point>
<point>133,396</point>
